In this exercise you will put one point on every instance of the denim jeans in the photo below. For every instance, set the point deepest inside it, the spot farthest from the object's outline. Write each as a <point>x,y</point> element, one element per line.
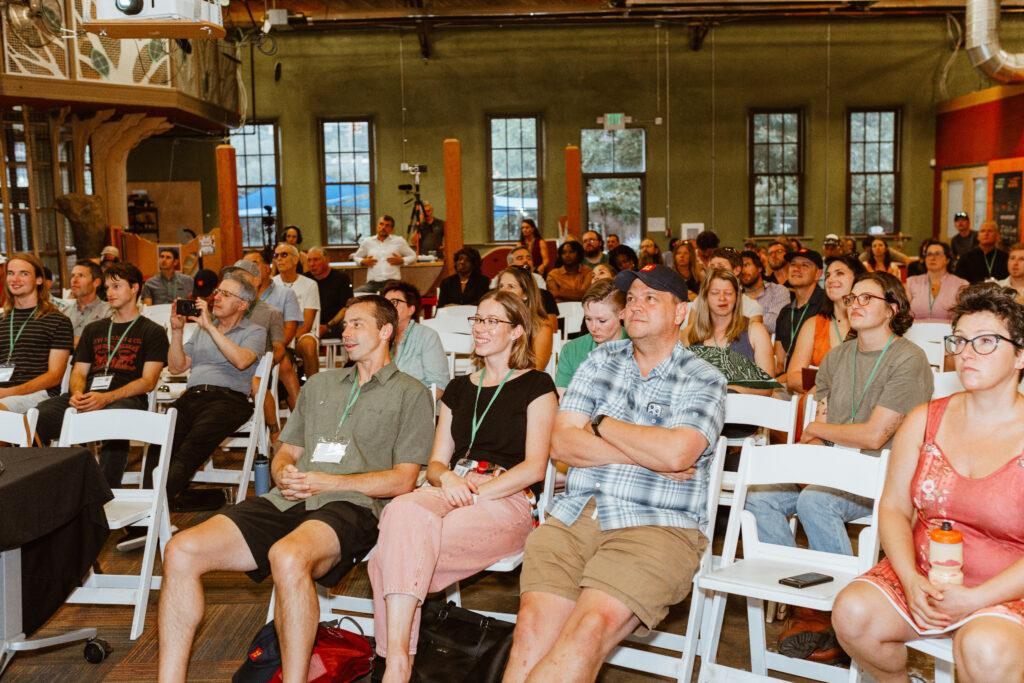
<point>823,513</point>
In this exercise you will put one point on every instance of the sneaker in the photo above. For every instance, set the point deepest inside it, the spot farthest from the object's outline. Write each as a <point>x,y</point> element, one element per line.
<point>135,538</point>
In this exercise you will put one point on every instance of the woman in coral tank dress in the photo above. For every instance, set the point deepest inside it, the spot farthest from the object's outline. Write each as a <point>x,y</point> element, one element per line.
<point>958,459</point>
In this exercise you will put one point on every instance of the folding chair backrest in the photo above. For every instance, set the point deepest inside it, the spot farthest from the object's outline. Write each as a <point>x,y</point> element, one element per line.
<point>17,429</point>
<point>158,313</point>
<point>715,486</point>
<point>263,375</point>
<point>763,411</point>
<point>453,319</point>
<point>810,410</point>
<point>842,469</point>
<point>65,381</point>
<point>921,333</point>
<point>572,313</point>
<point>946,384</point>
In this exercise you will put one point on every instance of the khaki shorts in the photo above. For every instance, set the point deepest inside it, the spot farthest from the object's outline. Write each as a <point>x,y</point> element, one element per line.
<point>647,568</point>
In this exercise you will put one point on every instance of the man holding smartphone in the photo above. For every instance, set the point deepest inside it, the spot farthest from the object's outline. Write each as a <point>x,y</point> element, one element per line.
<point>222,357</point>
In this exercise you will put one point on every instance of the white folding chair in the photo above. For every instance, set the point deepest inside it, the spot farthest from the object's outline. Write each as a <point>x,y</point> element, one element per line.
<point>556,351</point>
<point>756,576</point>
<point>158,313</point>
<point>941,649</point>
<point>764,412</point>
<point>130,507</point>
<point>571,313</point>
<point>17,429</point>
<point>929,336</point>
<point>946,384</point>
<point>65,381</point>
<point>250,436</point>
<point>453,319</point>
<point>457,346</point>
<point>678,665</point>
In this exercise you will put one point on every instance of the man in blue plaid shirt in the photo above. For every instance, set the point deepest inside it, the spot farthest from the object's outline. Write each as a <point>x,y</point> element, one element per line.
<point>637,427</point>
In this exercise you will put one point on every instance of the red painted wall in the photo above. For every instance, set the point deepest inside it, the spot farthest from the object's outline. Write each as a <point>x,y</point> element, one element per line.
<point>973,136</point>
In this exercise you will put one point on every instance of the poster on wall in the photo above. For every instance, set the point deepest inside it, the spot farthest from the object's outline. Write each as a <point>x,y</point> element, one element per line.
<point>1006,200</point>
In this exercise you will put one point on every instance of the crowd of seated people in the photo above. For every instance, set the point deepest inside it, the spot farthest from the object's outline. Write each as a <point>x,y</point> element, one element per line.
<point>622,542</point>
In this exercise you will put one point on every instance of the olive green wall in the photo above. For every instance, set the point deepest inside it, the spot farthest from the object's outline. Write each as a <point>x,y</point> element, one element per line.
<point>571,75</point>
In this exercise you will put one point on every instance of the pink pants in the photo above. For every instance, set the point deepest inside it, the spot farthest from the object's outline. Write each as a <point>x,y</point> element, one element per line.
<point>426,544</point>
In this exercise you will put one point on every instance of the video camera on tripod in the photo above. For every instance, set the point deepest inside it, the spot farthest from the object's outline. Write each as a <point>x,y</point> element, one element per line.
<point>413,189</point>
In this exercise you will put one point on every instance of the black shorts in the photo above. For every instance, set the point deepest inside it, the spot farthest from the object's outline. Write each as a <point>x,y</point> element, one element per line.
<point>262,525</point>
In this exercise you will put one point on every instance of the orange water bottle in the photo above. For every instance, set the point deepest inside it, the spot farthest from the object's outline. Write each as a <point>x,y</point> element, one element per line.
<point>946,555</point>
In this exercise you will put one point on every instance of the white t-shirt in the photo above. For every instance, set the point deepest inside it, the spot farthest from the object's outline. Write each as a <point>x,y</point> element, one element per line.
<point>308,295</point>
<point>381,250</point>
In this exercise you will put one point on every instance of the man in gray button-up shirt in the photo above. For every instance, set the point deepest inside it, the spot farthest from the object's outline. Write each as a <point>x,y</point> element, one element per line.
<point>168,284</point>
<point>357,438</point>
<point>86,277</point>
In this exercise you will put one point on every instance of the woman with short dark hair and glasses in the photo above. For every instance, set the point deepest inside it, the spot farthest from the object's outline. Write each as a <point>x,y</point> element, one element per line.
<point>956,460</point>
<point>865,386</point>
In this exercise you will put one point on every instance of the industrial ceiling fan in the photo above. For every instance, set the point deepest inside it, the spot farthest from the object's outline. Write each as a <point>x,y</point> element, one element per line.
<point>36,22</point>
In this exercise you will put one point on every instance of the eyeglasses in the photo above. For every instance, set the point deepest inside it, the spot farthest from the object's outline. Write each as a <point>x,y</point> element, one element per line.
<point>224,292</point>
<point>488,323</point>
<point>281,254</point>
<point>861,299</point>
<point>983,344</point>
<point>395,302</point>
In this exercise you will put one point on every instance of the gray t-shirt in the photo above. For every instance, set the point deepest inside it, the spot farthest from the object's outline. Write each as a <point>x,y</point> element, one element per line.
<point>391,422</point>
<point>269,318</point>
<point>903,381</point>
<point>163,291</point>
<point>209,366</point>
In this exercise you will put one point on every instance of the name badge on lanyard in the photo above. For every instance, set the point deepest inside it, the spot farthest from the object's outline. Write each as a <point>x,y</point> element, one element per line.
<point>330,451</point>
<point>101,382</point>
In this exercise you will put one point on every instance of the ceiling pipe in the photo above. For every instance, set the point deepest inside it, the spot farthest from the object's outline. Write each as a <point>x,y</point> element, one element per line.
<point>983,47</point>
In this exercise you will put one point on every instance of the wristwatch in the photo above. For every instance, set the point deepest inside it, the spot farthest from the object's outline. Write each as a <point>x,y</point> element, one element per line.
<point>594,422</point>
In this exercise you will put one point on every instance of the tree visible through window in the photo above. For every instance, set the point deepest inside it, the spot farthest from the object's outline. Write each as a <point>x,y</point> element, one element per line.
<point>515,174</point>
<point>256,167</point>
<point>347,181</point>
<point>614,170</point>
<point>776,172</point>
<point>873,171</point>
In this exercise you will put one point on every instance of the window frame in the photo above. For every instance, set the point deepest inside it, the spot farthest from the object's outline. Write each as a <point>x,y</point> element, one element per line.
<point>372,182</point>
<point>639,175</point>
<point>280,223</point>
<point>800,174</point>
<point>897,164</point>
<point>539,179</point>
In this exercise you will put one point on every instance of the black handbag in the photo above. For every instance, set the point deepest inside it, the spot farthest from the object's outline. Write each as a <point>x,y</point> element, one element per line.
<point>458,644</point>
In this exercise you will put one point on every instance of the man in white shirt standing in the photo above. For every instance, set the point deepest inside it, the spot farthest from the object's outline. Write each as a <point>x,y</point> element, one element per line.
<point>383,256</point>
<point>307,344</point>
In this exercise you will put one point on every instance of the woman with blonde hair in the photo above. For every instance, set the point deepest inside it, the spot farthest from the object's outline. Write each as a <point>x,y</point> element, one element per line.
<point>684,260</point>
<point>717,320</point>
<point>543,326</point>
<point>495,429</point>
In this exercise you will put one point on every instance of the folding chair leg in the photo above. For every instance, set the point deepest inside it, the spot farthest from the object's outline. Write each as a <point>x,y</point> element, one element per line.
<point>452,594</point>
<point>145,580</point>
<point>270,608</point>
<point>755,627</point>
<point>943,671</point>
<point>709,651</point>
<point>691,640</point>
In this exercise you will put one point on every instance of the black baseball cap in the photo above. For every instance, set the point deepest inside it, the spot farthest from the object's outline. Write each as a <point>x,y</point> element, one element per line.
<point>961,214</point>
<point>205,282</point>
<point>662,278</point>
<point>809,254</point>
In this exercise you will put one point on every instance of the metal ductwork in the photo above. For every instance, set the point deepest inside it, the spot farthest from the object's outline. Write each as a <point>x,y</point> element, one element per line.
<point>983,47</point>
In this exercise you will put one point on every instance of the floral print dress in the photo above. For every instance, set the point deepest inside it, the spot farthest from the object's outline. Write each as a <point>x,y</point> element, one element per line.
<point>986,510</point>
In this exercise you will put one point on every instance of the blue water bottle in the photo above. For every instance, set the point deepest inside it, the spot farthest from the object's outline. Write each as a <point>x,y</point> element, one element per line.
<point>262,475</point>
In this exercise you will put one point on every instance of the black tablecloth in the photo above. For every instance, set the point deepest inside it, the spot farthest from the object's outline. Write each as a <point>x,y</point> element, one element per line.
<point>51,506</point>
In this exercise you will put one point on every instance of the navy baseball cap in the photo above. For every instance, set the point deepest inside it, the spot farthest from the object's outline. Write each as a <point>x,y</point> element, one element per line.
<point>809,254</point>
<point>662,278</point>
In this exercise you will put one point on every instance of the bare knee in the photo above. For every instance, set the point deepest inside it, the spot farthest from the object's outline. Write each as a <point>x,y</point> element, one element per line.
<point>986,651</point>
<point>853,614</point>
<point>185,554</point>
<point>288,562</point>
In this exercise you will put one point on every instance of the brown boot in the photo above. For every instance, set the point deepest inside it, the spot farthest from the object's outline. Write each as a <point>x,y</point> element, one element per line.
<point>804,632</point>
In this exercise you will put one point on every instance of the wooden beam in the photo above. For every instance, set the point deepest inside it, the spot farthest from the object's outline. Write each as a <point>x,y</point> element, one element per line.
<point>453,234</point>
<point>5,197</point>
<point>33,193</point>
<point>227,204</point>
<point>574,189</point>
<point>59,220</point>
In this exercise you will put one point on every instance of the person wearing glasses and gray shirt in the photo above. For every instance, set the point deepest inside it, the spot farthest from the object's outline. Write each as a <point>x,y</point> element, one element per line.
<point>221,358</point>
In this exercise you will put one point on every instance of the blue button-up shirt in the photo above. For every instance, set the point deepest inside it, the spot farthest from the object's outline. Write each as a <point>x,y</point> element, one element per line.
<point>681,391</point>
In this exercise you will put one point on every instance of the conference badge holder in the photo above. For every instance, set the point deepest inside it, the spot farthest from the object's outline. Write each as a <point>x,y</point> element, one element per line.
<point>101,382</point>
<point>330,451</point>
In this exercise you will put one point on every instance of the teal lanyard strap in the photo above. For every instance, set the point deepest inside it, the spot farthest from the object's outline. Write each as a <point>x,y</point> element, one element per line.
<point>110,329</point>
<point>477,421</point>
<point>800,323</point>
<point>353,396</point>
<point>10,335</point>
<point>839,334</point>
<point>871,377</point>
<point>989,265</point>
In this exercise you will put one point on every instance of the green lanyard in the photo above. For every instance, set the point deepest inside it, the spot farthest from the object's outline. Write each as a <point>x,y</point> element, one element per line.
<point>477,421</point>
<point>989,265</point>
<point>10,335</point>
<point>839,334</point>
<point>111,354</point>
<point>399,352</point>
<point>353,396</point>
<point>799,324</point>
<point>871,377</point>
<point>932,298</point>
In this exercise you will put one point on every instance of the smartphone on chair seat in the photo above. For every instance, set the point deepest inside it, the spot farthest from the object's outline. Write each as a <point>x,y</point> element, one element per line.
<point>806,580</point>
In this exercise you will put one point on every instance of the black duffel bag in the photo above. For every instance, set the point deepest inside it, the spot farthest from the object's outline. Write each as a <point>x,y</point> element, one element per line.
<point>458,644</point>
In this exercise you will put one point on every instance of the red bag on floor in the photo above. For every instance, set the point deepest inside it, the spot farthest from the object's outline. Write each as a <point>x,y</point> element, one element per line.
<point>339,656</point>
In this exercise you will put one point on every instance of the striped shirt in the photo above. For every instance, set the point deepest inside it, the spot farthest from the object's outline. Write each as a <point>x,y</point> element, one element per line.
<point>31,355</point>
<point>681,391</point>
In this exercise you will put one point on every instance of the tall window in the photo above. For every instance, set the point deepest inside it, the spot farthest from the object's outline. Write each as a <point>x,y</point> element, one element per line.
<point>256,162</point>
<point>873,170</point>
<point>515,174</point>
<point>347,180</point>
<point>776,172</point>
<point>614,170</point>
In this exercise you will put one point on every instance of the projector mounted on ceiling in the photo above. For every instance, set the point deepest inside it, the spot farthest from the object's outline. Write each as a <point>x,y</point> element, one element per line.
<point>195,19</point>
